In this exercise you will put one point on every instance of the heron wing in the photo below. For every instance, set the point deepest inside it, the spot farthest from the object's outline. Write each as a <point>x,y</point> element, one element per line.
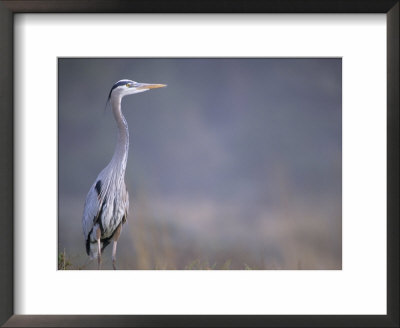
<point>91,211</point>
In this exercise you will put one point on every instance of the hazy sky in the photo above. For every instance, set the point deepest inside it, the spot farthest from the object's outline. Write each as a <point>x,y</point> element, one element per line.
<point>232,151</point>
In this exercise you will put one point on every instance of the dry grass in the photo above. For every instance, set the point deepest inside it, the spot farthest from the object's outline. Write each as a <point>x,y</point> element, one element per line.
<point>293,238</point>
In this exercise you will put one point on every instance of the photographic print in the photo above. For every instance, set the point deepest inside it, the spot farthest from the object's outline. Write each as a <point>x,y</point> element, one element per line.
<point>199,163</point>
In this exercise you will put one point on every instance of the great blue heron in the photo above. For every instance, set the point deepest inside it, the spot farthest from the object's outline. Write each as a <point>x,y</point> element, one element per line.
<point>107,203</point>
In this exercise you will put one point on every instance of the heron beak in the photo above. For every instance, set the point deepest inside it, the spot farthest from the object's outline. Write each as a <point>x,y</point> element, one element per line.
<point>151,86</point>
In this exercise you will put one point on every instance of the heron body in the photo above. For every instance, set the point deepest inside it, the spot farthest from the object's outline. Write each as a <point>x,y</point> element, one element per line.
<point>107,202</point>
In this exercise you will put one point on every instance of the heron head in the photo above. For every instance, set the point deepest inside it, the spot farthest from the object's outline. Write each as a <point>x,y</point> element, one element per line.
<point>128,87</point>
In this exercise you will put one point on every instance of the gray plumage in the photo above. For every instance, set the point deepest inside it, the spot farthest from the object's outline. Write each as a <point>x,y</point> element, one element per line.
<point>107,202</point>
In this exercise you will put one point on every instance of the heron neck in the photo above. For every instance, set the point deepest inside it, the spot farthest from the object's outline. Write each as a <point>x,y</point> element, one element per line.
<point>120,156</point>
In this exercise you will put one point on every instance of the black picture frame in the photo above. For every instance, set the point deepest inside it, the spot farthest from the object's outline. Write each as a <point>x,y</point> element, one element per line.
<point>10,7</point>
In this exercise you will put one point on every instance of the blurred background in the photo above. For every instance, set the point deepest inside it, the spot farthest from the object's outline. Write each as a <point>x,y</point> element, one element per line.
<point>235,165</point>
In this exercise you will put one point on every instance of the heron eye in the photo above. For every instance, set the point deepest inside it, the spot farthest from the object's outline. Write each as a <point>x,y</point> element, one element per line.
<point>129,85</point>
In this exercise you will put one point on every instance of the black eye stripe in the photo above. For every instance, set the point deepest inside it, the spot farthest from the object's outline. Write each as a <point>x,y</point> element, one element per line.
<point>116,85</point>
